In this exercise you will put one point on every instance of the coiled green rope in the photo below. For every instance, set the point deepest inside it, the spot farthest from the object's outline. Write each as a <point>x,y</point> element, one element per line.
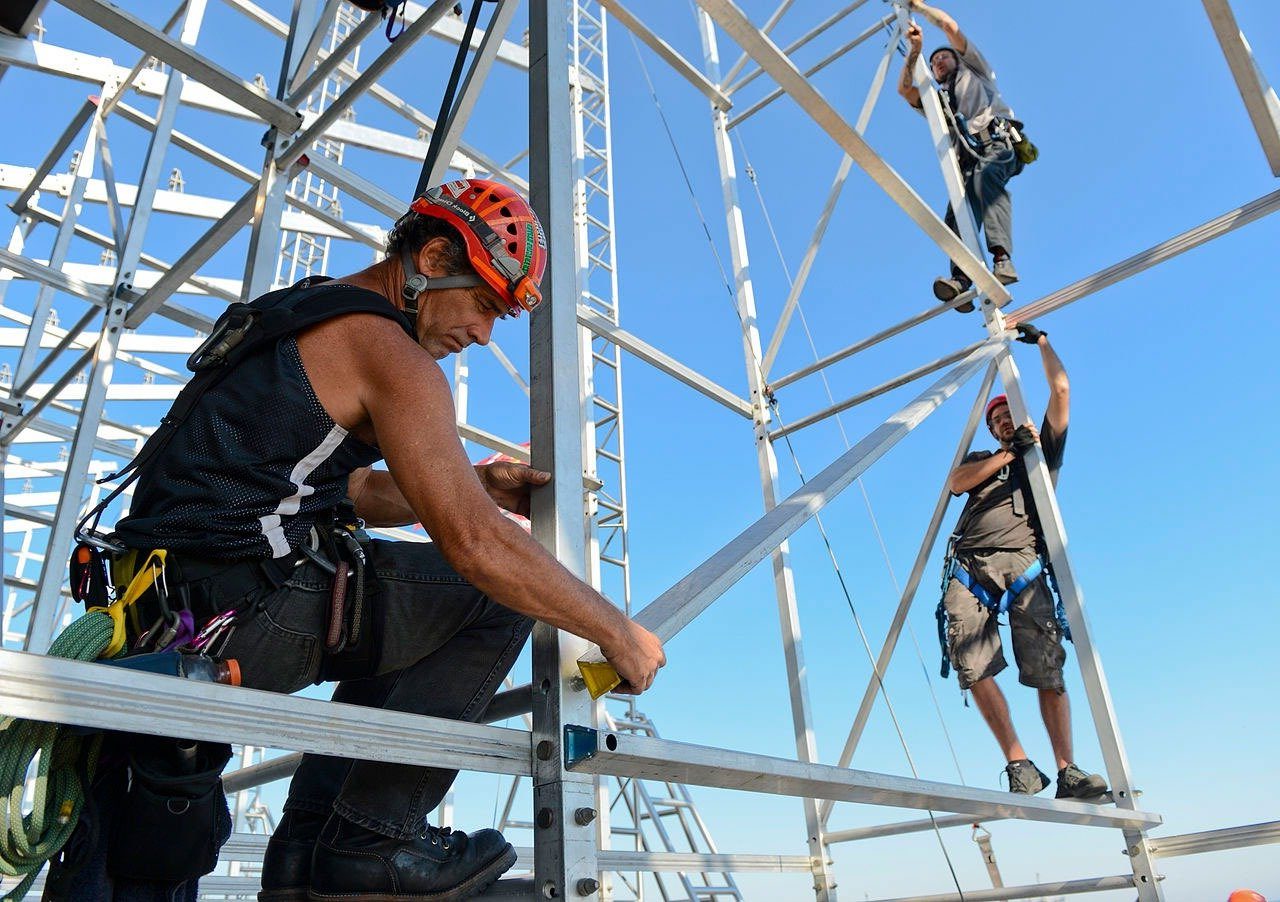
<point>29,840</point>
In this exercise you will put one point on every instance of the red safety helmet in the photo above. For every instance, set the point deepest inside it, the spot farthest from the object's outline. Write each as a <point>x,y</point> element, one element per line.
<point>505,241</point>
<point>1246,895</point>
<point>993,404</point>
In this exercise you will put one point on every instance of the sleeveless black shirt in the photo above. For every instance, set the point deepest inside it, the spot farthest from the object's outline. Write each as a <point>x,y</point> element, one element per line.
<point>249,471</point>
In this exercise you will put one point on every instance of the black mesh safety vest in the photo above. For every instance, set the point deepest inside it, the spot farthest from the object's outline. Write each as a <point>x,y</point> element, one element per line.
<point>257,460</point>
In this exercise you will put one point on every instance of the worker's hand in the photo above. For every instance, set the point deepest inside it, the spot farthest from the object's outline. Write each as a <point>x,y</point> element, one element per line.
<point>1029,334</point>
<point>1025,438</point>
<point>915,37</point>
<point>509,484</point>
<point>636,654</point>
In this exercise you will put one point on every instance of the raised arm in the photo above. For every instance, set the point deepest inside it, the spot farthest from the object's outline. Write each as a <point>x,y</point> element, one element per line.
<point>955,37</point>
<point>1055,374</point>
<point>907,84</point>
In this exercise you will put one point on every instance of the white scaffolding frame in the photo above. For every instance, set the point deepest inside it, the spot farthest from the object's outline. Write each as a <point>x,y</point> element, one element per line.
<point>576,344</point>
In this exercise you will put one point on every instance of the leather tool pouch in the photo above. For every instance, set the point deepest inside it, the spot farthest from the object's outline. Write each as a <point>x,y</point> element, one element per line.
<point>172,817</point>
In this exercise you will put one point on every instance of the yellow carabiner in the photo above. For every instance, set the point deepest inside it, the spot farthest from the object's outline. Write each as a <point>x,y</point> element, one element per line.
<point>144,578</point>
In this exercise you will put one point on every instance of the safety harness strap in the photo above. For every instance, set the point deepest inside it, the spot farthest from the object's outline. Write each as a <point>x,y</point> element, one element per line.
<point>241,330</point>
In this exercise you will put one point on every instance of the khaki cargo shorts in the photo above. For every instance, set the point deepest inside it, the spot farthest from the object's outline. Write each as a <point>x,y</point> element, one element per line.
<point>973,634</point>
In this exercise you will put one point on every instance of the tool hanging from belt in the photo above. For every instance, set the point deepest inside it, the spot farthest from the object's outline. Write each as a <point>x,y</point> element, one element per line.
<point>349,646</point>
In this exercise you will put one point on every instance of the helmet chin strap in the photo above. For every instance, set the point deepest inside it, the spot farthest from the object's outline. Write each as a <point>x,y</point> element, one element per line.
<point>416,283</point>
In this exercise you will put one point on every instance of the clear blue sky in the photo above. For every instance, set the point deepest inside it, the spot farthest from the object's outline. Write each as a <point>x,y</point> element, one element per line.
<point>1168,487</point>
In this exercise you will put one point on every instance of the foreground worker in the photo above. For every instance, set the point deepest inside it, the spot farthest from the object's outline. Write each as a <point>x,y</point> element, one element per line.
<point>247,497</point>
<point>995,563</point>
<point>984,133</point>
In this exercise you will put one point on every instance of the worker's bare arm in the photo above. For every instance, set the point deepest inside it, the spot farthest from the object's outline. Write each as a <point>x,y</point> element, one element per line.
<point>969,475</point>
<point>378,500</point>
<point>907,83</point>
<point>1055,373</point>
<point>955,37</point>
<point>407,400</point>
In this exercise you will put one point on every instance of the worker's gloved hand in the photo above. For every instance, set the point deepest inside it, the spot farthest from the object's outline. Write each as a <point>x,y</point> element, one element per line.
<point>1024,438</point>
<point>1029,334</point>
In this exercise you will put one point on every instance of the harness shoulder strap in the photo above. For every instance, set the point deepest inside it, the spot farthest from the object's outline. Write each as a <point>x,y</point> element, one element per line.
<point>241,330</point>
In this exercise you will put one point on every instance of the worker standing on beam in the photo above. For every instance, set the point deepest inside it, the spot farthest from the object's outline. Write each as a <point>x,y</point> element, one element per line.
<point>988,141</point>
<point>996,563</point>
<point>248,491</point>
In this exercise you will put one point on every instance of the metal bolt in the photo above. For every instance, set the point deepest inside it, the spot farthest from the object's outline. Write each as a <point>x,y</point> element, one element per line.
<point>545,818</point>
<point>587,886</point>
<point>577,683</point>
<point>584,816</point>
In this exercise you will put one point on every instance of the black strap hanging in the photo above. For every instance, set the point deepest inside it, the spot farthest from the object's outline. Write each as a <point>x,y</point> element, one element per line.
<point>444,118</point>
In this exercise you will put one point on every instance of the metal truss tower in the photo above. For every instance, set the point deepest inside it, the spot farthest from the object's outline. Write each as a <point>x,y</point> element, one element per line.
<point>88,236</point>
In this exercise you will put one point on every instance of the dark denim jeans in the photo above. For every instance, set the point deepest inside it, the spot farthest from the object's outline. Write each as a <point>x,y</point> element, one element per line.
<point>445,648</point>
<point>985,188</point>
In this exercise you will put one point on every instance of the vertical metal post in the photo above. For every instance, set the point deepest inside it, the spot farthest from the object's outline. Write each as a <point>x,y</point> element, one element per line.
<point>1095,682</point>
<point>61,243</point>
<point>268,208</point>
<point>564,849</point>
<point>48,604</point>
<point>784,585</point>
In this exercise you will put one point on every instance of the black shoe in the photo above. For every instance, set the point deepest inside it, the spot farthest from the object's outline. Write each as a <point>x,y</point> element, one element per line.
<point>948,289</point>
<point>1073,783</point>
<point>352,864</point>
<point>1025,778</point>
<point>1003,270</point>
<point>286,867</point>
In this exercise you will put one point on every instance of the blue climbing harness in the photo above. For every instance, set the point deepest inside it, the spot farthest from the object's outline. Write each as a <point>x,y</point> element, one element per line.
<point>953,569</point>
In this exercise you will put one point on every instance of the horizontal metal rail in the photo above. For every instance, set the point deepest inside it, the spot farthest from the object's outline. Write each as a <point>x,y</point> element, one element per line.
<point>1215,840</point>
<point>647,758</point>
<point>96,695</point>
<point>812,70</point>
<point>511,703</point>
<point>795,45</point>
<point>1061,888</point>
<point>665,362</point>
<point>1131,266</point>
<point>899,829</point>
<point>185,60</point>
<point>872,340</point>
<point>883,388</point>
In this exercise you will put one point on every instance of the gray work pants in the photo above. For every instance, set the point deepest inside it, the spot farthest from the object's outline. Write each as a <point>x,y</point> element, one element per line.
<point>445,647</point>
<point>985,181</point>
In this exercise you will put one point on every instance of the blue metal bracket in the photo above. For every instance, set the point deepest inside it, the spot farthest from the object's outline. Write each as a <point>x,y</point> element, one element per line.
<point>580,743</point>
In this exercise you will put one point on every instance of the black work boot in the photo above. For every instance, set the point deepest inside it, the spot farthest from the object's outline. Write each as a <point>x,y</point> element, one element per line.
<point>947,289</point>
<point>352,864</point>
<point>286,867</point>
<point>1025,778</point>
<point>1073,783</point>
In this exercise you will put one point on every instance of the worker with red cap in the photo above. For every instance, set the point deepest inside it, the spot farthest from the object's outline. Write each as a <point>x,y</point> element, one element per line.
<point>259,493</point>
<point>996,564</point>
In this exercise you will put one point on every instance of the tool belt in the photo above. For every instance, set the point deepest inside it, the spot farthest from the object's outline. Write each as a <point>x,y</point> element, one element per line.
<point>173,600</point>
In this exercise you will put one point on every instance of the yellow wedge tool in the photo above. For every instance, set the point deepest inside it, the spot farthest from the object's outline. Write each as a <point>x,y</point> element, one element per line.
<point>599,676</point>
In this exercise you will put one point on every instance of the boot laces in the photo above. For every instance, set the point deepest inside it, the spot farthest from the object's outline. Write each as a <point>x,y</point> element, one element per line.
<point>440,836</point>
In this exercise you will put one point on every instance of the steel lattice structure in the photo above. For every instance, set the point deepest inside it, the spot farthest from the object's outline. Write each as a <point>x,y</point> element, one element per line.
<point>316,193</point>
